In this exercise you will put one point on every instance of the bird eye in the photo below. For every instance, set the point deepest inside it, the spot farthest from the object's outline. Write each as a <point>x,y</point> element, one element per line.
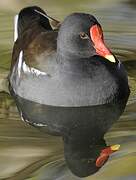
<point>83,35</point>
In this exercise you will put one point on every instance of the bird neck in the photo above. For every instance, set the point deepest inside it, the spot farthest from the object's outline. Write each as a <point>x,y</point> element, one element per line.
<point>81,154</point>
<point>79,140</point>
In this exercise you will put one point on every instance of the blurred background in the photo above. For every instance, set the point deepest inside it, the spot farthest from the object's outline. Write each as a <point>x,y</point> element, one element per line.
<point>27,153</point>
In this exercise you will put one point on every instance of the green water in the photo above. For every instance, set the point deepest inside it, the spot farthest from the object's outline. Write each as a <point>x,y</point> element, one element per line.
<point>26,153</point>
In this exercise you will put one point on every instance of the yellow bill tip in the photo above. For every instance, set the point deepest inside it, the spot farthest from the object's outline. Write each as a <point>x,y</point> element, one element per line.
<point>111,58</point>
<point>115,147</point>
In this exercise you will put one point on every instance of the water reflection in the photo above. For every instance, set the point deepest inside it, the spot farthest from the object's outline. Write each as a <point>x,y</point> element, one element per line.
<point>38,155</point>
<point>82,129</point>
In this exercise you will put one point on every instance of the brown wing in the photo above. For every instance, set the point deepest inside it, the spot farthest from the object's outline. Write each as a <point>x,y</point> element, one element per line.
<point>34,42</point>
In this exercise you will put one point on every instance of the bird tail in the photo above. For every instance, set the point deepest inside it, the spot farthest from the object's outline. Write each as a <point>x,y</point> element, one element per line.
<point>29,15</point>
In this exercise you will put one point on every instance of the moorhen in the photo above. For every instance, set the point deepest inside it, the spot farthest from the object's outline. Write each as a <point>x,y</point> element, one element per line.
<point>67,80</point>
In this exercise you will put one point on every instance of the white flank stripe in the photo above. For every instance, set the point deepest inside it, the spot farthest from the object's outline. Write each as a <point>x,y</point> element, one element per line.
<point>29,70</point>
<point>26,69</point>
<point>20,63</point>
<point>37,72</point>
<point>15,27</point>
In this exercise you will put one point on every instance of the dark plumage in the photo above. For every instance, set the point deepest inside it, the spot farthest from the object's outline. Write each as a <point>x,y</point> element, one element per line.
<point>70,81</point>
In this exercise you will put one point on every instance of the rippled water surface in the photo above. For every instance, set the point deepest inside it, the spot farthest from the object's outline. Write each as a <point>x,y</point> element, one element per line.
<point>27,153</point>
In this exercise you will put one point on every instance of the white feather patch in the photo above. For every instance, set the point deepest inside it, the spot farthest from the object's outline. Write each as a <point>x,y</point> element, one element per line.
<point>20,63</point>
<point>34,71</point>
<point>22,66</point>
<point>15,27</point>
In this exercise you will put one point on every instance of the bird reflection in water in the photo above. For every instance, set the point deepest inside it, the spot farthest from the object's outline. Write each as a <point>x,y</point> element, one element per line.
<point>82,129</point>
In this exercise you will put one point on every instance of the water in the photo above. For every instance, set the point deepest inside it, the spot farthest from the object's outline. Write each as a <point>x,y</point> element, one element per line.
<point>27,153</point>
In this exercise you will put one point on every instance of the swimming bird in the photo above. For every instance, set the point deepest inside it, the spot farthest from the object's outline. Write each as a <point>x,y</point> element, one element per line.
<point>66,79</point>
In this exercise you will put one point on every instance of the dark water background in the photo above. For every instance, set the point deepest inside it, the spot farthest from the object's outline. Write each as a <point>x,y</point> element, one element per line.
<point>26,153</point>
